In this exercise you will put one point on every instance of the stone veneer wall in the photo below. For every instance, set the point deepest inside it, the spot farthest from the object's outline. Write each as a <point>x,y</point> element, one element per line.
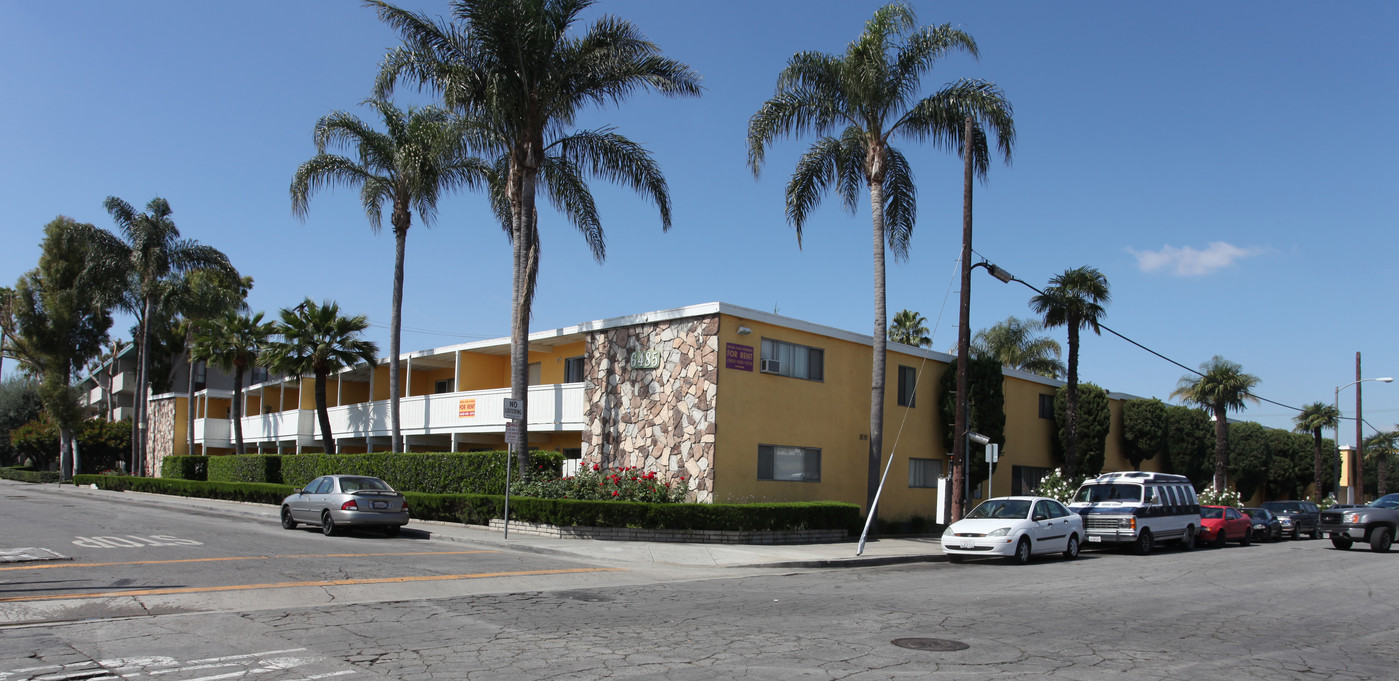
<point>659,419</point>
<point>160,439</point>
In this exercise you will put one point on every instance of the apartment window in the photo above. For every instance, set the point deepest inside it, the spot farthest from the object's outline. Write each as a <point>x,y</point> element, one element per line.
<point>1047,407</point>
<point>201,372</point>
<point>793,464</point>
<point>445,385</point>
<point>1025,480</point>
<point>259,375</point>
<point>573,370</point>
<point>908,379</point>
<point>924,472</point>
<point>790,359</point>
<point>533,374</point>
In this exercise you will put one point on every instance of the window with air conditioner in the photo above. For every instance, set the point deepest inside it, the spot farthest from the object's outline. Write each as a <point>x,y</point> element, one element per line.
<point>792,360</point>
<point>791,464</point>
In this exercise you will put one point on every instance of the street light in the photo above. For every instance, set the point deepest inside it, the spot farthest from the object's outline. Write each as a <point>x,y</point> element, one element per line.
<point>1359,443</point>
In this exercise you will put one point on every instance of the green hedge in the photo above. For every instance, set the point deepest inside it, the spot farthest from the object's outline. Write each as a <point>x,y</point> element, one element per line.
<point>246,468</point>
<point>478,509</point>
<point>26,474</point>
<point>435,473</point>
<point>185,467</point>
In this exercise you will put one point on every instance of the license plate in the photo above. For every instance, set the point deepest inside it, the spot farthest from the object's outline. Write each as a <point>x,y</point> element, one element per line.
<point>968,544</point>
<point>1094,540</point>
<point>381,504</point>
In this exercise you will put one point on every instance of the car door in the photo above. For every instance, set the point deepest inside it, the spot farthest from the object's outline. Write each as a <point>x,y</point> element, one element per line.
<point>1234,525</point>
<point>305,506</point>
<point>1051,530</point>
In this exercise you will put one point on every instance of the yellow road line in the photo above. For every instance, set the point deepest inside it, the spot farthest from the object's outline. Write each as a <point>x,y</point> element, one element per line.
<point>287,585</point>
<point>50,565</point>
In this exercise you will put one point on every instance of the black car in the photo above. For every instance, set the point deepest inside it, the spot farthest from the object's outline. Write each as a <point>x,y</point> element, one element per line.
<point>1298,517</point>
<point>1266,526</point>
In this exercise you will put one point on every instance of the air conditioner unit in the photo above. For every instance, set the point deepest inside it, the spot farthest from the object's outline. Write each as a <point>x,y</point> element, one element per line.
<point>770,366</point>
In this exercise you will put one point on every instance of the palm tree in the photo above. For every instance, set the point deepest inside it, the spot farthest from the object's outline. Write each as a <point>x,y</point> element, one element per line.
<point>203,296</point>
<point>1074,299</point>
<point>1313,419</point>
<point>316,340</point>
<point>1014,344</point>
<point>422,154</point>
<point>512,64</point>
<point>232,343</point>
<point>867,97</point>
<point>910,328</point>
<point>1379,448</point>
<point>1221,387</point>
<point>151,248</point>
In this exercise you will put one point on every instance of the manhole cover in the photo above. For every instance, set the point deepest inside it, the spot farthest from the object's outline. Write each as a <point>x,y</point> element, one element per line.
<point>934,644</point>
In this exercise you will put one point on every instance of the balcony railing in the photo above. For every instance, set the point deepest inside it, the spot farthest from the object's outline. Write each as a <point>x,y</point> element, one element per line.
<point>556,407</point>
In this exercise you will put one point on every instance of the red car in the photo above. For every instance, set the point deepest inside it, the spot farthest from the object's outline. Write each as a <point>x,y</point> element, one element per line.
<point>1219,524</point>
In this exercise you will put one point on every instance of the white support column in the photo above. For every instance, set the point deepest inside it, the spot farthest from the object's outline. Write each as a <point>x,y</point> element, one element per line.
<point>408,379</point>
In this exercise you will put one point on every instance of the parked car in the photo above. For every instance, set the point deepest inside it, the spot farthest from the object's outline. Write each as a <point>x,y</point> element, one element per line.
<point>1375,523</point>
<point>1138,509</point>
<point>334,502</point>
<point>1220,524</point>
<point>1266,526</point>
<point>1014,527</point>
<point>1298,517</point>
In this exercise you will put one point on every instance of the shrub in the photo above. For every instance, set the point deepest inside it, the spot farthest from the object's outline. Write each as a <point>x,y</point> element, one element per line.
<point>263,493</point>
<point>185,467</point>
<point>27,474</point>
<point>432,473</point>
<point>1214,497</point>
<point>1055,486</point>
<point>598,484</point>
<point>245,468</point>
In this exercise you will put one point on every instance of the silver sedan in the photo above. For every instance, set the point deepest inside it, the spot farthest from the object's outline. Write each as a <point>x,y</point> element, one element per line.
<point>337,501</point>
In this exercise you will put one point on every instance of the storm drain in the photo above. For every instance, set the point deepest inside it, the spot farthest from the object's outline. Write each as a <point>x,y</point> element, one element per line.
<point>940,645</point>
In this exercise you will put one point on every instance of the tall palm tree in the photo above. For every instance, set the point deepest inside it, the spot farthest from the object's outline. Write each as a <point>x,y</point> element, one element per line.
<point>1074,299</point>
<point>513,64</point>
<point>1380,447</point>
<point>150,247</point>
<point>868,97</point>
<point>1313,419</point>
<point>204,296</point>
<point>232,343</point>
<point>316,340</point>
<point>910,328</point>
<point>1015,344</point>
<point>1221,387</point>
<point>422,154</point>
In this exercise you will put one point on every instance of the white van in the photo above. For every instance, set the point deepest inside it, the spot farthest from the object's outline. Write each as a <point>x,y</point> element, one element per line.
<point>1139,509</point>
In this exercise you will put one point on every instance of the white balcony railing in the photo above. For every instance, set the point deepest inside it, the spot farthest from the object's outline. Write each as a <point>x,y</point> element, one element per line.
<point>556,407</point>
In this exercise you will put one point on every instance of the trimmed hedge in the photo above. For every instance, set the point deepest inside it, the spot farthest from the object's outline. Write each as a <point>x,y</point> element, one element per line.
<point>431,473</point>
<point>27,474</point>
<point>185,467</point>
<point>478,509</point>
<point>246,468</point>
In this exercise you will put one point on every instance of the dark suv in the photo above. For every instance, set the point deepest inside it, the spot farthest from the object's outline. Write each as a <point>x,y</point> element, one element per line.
<point>1298,517</point>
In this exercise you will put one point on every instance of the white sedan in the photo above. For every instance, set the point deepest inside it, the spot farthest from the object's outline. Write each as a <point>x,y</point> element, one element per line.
<point>1016,528</point>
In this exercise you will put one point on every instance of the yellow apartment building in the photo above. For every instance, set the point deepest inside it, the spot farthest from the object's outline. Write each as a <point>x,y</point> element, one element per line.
<point>744,405</point>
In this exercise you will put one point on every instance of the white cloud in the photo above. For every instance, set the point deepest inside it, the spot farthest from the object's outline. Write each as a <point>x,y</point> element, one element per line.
<point>1189,262</point>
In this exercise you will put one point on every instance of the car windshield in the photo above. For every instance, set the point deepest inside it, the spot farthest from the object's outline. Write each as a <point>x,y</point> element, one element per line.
<point>1282,507</point>
<point>1001,508</point>
<point>348,485</point>
<point>1386,501</point>
<point>1256,513</point>
<point>1211,512</point>
<point>1109,492</point>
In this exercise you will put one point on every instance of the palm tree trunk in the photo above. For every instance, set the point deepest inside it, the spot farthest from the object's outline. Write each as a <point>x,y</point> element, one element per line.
<point>1381,470</point>
<point>881,324</point>
<point>522,249</point>
<point>323,413</point>
<point>238,411</point>
<point>1071,406</point>
<point>1316,467</point>
<point>1221,447</point>
<point>189,405</point>
<point>400,236</point>
<point>65,460</point>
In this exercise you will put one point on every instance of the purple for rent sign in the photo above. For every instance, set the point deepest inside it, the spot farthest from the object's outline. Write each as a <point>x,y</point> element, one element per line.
<point>738,356</point>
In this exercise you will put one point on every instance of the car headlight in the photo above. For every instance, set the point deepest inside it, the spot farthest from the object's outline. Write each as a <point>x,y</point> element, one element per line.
<point>999,532</point>
<point>1259,526</point>
<point>1285,521</point>
<point>1353,518</point>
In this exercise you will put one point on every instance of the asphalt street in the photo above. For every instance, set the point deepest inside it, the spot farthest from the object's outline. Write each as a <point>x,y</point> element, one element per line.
<point>1290,610</point>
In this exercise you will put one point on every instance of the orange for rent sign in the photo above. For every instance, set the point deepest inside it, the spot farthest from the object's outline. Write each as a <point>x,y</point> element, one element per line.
<point>466,408</point>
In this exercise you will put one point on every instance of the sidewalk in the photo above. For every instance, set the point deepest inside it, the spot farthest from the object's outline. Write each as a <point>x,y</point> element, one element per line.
<point>884,551</point>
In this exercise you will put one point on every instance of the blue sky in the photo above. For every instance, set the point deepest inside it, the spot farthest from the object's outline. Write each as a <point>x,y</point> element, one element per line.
<point>1228,167</point>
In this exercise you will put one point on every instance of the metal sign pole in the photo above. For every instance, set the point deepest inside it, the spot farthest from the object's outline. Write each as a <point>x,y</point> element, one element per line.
<point>509,463</point>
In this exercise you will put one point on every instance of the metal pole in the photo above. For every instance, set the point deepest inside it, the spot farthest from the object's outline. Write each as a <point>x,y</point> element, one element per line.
<point>1358,483</point>
<point>509,463</point>
<point>1336,471</point>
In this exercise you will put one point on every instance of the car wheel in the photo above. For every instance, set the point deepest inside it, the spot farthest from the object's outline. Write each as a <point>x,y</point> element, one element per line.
<point>287,522</point>
<point>1071,551</point>
<point>1342,543</point>
<point>1316,533</point>
<point>1022,552</point>
<point>1296,532</point>
<point>1247,538</point>
<point>1380,540</point>
<point>391,530</point>
<point>1187,542</point>
<point>1219,538</point>
<point>1143,545</point>
<point>327,524</point>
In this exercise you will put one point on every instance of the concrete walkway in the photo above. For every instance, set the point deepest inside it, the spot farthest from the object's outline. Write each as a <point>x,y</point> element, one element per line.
<point>883,551</point>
